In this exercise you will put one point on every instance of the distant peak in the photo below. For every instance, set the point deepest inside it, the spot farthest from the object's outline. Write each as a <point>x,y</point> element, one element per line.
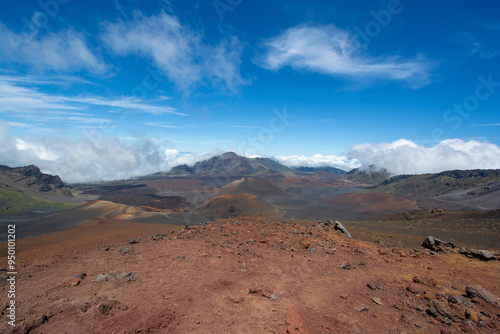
<point>229,155</point>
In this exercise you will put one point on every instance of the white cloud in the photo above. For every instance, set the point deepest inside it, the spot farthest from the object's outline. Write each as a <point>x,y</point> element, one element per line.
<point>178,51</point>
<point>332,51</point>
<point>162,125</point>
<point>318,160</point>
<point>93,158</point>
<point>20,98</point>
<point>405,157</point>
<point>66,50</point>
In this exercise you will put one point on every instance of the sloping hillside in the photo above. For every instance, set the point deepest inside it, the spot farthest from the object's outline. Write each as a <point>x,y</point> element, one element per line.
<point>32,181</point>
<point>254,186</point>
<point>14,203</point>
<point>226,206</point>
<point>430,185</point>
<point>371,202</point>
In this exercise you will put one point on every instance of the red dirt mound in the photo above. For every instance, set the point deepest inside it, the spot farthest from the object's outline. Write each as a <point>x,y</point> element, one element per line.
<point>372,202</point>
<point>225,206</point>
<point>254,186</point>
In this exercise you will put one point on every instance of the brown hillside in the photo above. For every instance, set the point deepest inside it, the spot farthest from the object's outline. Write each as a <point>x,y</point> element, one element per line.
<point>372,202</point>
<point>225,206</point>
<point>253,185</point>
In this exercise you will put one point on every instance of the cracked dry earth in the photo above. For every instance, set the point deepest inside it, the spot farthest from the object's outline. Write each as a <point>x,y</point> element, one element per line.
<point>256,275</point>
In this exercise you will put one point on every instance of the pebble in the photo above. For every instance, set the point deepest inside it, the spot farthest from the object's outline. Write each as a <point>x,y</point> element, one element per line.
<point>346,266</point>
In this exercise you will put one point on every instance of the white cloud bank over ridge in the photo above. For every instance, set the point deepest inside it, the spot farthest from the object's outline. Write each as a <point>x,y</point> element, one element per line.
<point>332,51</point>
<point>405,157</point>
<point>318,160</point>
<point>100,159</point>
<point>90,159</point>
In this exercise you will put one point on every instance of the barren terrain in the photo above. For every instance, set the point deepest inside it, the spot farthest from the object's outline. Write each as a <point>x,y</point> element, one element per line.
<point>244,275</point>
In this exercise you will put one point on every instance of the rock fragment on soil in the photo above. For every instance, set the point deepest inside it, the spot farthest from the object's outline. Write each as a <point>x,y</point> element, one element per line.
<point>346,266</point>
<point>481,254</point>
<point>428,281</point>
<point>336,226</point>
<point>477,292</point>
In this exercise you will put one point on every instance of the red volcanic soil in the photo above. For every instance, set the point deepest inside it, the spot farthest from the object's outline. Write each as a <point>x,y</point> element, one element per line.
<point>226,206</point>
<point>254,186</point>
<point>372,202</point>
<point>245,275</point>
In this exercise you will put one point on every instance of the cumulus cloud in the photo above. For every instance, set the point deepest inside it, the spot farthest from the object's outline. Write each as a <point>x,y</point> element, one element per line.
<point>66,50</point>
<point>318,160</point>
<point>406,157</point>
<point>91,159</point>
<point>178,51</point>
<point>332,51</point>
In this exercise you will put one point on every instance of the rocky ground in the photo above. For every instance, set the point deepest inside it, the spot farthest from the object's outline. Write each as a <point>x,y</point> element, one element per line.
<point>245,275</point>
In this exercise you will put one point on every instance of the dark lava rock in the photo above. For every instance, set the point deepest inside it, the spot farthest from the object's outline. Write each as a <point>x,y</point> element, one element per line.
<point>481,254</point>
<point>477,292</point>
<point>437,245</point>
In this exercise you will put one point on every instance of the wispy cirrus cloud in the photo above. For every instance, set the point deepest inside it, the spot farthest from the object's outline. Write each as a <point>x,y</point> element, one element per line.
<point>65,50</point>
<point>21,98</point>
<point>492,124</point>
<point>178,51</point>
<point>162,125</point>
<point>332,51</point>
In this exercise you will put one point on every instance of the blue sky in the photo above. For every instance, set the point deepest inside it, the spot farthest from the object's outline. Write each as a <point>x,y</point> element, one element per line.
<point>103,90</point>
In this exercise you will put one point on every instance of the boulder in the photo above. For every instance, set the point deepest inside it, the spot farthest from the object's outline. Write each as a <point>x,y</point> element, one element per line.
<point>339,227</point>
<point>477,292</point>
<point>436,244</point>
<point>481,254</point>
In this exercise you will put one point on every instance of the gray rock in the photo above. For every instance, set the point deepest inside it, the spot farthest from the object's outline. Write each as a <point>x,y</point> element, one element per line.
<point>101,278</point>
<point>81,276</point>
<point>339,227</point>
<point>458,300</point>
<point>477,292</point>
<point>346,266</point>
<point>127,276</point>
<point>132,241</point>
<point>124,250</point>
<point>434,244</point>
<point>437,309</point>
<point>481,254</point>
